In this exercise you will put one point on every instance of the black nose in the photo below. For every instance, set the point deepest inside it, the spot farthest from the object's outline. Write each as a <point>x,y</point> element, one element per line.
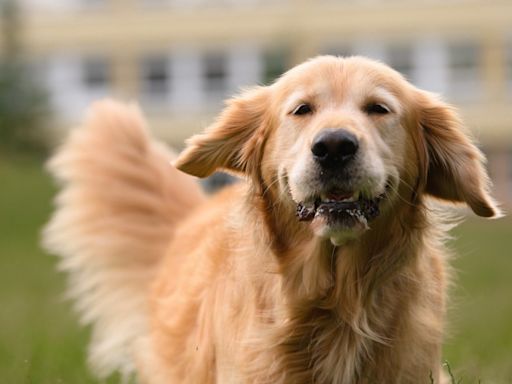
<point>334,147</point>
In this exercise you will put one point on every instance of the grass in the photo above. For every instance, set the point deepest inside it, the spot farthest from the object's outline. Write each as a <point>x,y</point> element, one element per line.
<point>480,346</point>
<point>41,343</point>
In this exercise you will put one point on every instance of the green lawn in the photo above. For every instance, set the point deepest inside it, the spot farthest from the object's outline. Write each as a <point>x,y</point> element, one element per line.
<point>480,346</point>
<point>40,341</point>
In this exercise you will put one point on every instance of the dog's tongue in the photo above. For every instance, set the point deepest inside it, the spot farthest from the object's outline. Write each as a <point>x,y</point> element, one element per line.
<point>337,196</point>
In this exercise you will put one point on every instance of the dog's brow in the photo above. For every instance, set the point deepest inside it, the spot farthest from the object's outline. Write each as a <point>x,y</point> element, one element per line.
<point>384,95</point>
<point>297,97</point>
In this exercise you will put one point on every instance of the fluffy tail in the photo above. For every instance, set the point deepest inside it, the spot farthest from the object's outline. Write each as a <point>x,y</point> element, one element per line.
<point>115,214</point>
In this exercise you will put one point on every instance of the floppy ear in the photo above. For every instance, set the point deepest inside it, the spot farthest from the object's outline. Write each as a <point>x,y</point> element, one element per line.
<point>232,142</point>
<point>455,165</point>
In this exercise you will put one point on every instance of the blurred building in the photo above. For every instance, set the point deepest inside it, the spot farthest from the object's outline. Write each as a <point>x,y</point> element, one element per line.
<point>181,58</point>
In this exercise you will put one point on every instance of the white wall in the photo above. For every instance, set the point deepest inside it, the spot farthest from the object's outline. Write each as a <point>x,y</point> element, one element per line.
<point>431,65</point>
<point>68,93</point>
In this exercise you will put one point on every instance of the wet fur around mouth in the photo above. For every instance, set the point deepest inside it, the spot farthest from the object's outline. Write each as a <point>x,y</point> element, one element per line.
<point>363,210</point>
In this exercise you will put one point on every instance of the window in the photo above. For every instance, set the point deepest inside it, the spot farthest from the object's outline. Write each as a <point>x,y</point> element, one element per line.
<point>464,70</point>
<point>95,73</point>
<point>155,76</point>
<point>276,63</point>
<point>400,58</point>
<point>215,73</point>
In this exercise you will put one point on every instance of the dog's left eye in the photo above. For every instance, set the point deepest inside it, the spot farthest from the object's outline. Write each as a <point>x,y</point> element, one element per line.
<point>302,109</point>
<point>377,109</point>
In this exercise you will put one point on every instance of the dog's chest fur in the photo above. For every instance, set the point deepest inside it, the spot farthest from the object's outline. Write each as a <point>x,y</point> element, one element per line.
<point>332,332</point>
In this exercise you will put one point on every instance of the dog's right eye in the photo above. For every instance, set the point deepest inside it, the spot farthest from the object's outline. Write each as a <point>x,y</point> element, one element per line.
<point>302,109</point>
<point>377,109</point>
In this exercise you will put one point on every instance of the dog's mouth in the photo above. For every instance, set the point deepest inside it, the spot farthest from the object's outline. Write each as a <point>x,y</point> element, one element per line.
<point>339,208</point>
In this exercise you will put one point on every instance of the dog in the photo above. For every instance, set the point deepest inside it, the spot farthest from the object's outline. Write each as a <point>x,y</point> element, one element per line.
<point>325,264</point>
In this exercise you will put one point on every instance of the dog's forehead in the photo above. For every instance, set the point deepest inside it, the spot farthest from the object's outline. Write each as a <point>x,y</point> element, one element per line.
<point>333,80</point>
<point>336,77</point>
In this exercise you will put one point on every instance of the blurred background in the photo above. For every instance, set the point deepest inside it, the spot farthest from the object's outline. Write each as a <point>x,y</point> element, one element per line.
<point>180,59</point>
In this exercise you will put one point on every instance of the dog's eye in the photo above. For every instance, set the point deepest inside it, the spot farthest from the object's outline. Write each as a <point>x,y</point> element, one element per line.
<point>377,109</point>
<point>302,109</point>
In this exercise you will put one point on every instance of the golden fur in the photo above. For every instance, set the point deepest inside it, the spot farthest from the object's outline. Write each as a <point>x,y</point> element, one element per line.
<point>233,288</point>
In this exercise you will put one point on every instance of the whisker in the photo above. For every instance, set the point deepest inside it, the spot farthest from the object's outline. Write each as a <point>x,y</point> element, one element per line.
<point>394,189</point>
<point>411,188</point>
<point>270,185</point>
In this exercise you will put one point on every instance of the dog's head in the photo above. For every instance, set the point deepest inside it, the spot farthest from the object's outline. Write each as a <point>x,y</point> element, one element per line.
<point>342,139</point>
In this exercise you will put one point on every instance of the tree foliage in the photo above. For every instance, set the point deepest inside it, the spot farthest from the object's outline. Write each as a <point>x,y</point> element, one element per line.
<point>24,107</point>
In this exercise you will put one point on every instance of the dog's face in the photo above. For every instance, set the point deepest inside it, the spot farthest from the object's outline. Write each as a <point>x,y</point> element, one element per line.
<point>342,140</point>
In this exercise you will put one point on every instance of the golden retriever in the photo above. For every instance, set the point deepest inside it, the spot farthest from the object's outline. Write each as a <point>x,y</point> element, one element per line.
<point>325,265</point>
